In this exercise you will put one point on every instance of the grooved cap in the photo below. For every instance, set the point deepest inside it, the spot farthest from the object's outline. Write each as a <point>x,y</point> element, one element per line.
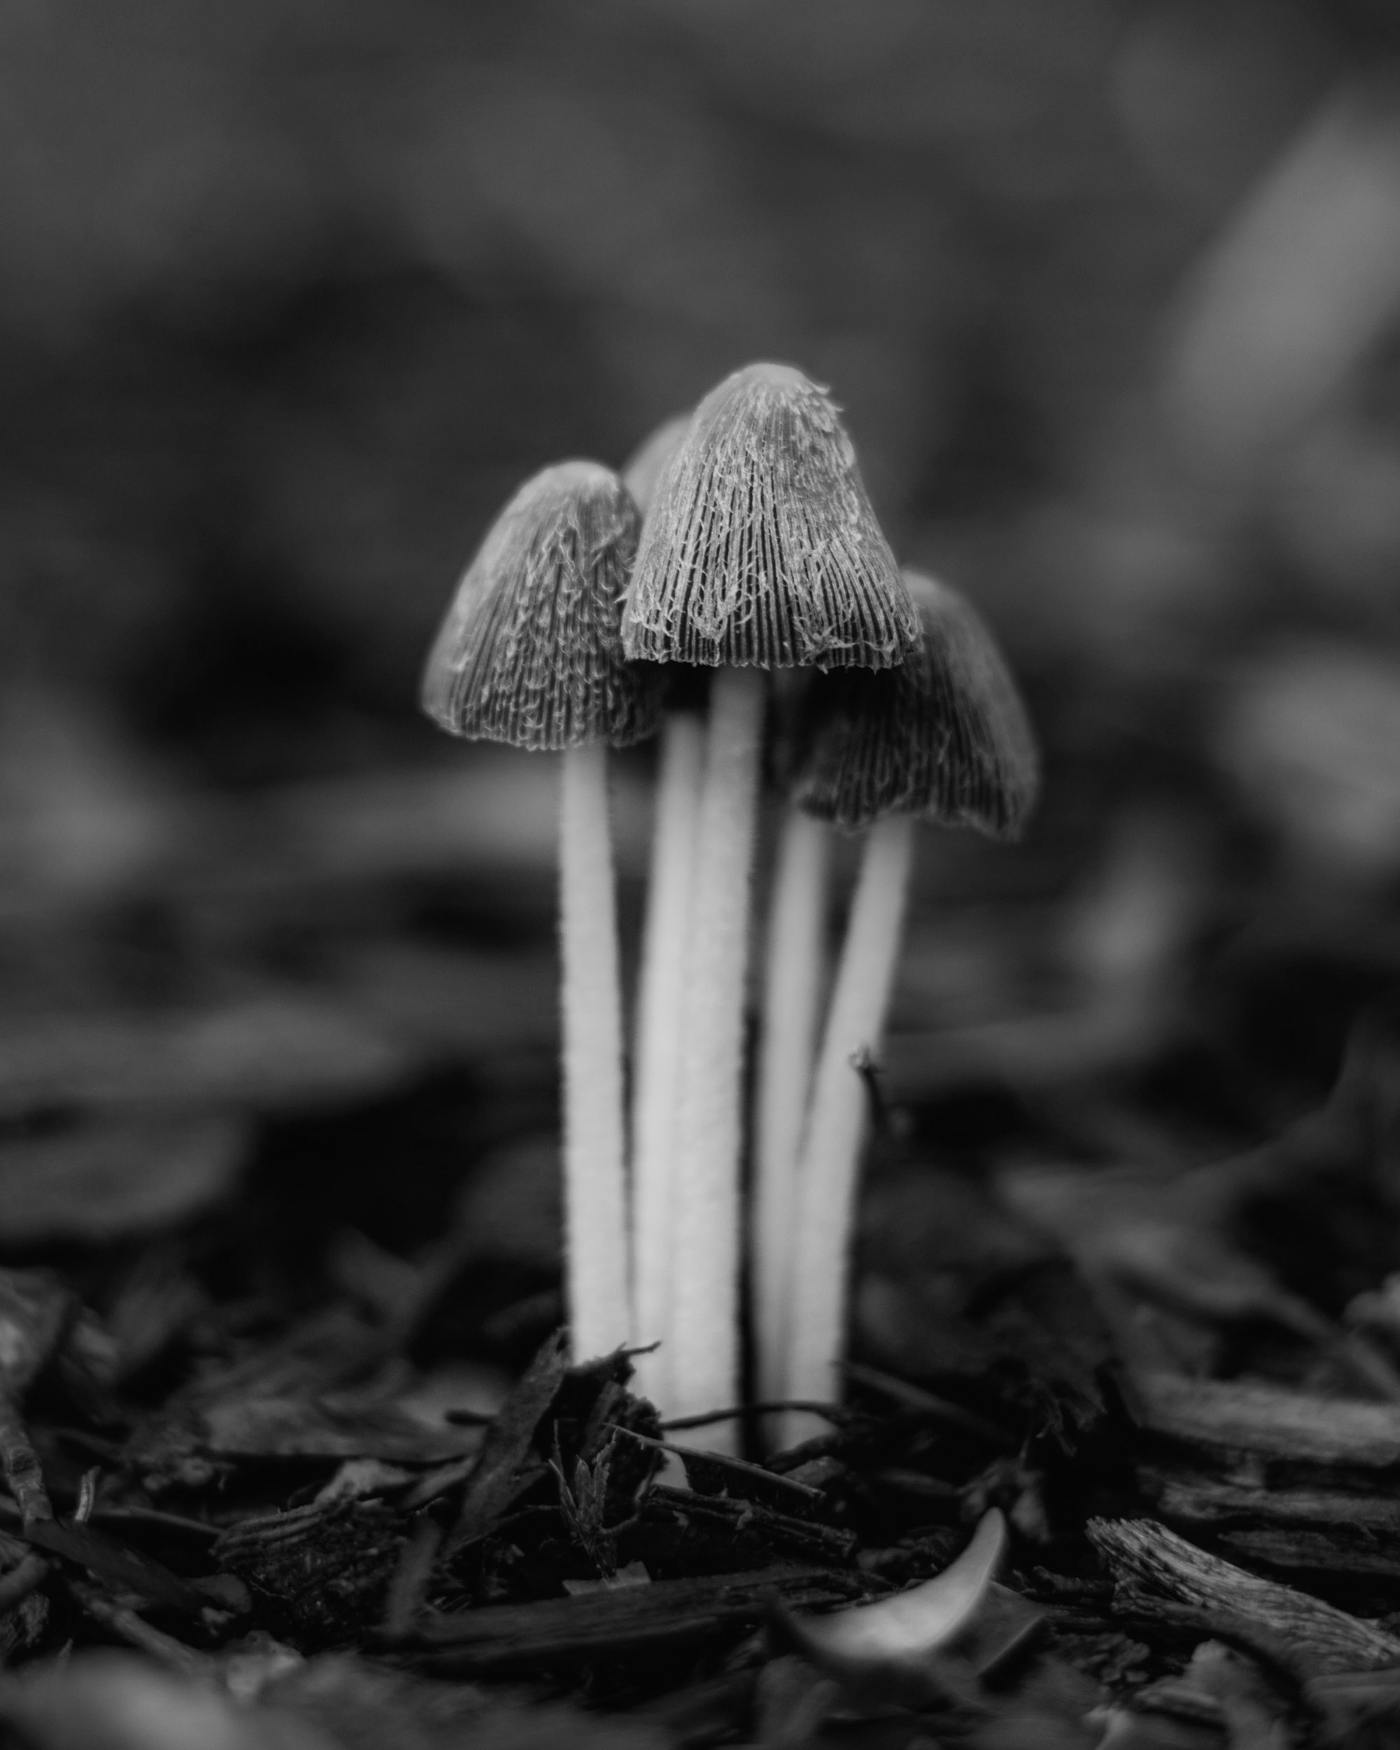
<point>760,547</point>
<point>946,737</point>
<point>530,652</point>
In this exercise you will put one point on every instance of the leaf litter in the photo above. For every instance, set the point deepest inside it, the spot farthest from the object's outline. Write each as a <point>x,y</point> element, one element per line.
<point>293,1449</point>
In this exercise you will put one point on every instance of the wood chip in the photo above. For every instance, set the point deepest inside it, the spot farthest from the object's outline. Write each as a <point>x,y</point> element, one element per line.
<point>1158,1574</point>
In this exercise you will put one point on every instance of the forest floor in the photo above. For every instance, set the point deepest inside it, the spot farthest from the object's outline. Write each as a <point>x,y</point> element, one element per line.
<point>294,1454</point>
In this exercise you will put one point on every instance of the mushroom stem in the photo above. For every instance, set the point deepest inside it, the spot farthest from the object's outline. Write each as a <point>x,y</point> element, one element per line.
<point>595,1208</point>
<point>704,1335</point>
<point>829,1162</point>
<point>791,994</point>
<point>661,1027</point>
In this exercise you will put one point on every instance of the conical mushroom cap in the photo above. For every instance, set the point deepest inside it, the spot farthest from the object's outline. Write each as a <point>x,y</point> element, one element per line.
<point>531,650</point>
<point>945,737</point>
<point>760,547</point>
<point>643,469</point>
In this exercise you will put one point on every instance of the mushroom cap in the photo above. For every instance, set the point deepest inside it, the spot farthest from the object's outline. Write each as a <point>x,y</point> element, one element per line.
<point>530,652</point>
<point>644,467</point>
<point>945,737</point>
<point>760,547</point>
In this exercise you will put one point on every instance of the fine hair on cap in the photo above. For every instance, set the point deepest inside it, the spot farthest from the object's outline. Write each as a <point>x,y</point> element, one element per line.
<point>531,650</point>
<point>945,737</point>
<point>760,547</point>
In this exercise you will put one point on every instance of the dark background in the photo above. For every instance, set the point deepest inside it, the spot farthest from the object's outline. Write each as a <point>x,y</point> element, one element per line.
<point>295,292</point>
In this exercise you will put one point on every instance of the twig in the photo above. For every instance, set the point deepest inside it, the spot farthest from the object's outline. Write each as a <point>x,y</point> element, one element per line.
<point>21,1463</point>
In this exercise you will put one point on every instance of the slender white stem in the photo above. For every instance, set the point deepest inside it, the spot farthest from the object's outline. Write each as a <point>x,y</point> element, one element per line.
<point>661,1027</point>
<point>595,1208</point>
<point>829,1164</point>
<point>704,1335</point>
<point>793,976</point>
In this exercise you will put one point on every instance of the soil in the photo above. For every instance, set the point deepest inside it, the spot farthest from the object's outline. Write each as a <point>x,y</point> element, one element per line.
<point>289,1424</point>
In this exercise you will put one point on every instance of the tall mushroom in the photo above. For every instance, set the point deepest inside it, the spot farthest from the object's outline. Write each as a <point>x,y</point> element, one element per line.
<point>945,739</point>
<point>659,1027</point>
<point>760,550</point>
<point>530,653</point>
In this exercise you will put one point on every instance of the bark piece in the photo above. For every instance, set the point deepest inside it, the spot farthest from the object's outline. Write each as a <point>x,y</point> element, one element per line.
<point>1269,1422</point>
<point>1158,1574</point>
<point>525,1638</point>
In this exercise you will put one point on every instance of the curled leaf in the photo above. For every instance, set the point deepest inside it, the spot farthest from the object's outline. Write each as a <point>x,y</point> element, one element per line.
<point>892,1647</point>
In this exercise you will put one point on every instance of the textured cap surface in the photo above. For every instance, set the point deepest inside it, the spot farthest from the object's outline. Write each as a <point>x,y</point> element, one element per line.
<point>945,737</point>
<point>760,547</point>
<point>531,651</point>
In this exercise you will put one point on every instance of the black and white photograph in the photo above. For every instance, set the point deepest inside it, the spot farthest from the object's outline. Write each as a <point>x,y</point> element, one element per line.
<point>699,874</point>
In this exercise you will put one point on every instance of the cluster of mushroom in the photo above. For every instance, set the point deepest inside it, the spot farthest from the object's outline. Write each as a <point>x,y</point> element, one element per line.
<point>739,541</point>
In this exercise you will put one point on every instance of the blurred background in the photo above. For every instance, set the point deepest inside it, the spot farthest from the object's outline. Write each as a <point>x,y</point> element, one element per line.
<point>294,293</point>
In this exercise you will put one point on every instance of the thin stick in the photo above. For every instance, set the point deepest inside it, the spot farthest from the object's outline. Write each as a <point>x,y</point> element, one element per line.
<point>594,1172</point>
<point>829,1163</point>
<point>704,1336</point>
<point>661,1025</point>
<point>793,975</point>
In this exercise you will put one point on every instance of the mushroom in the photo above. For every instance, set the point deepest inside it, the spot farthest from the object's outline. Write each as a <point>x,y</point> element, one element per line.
<point>530,653</point>
<point>661,999</point>
<point>794,975</point>
<point>945,738</point>
<point>760,550</point>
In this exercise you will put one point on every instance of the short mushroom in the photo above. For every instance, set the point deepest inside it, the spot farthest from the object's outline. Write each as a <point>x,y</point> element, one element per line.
<point>944,739</point>
<point>760,550</point>
<point>530,654</point>
<point>795,970</point>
